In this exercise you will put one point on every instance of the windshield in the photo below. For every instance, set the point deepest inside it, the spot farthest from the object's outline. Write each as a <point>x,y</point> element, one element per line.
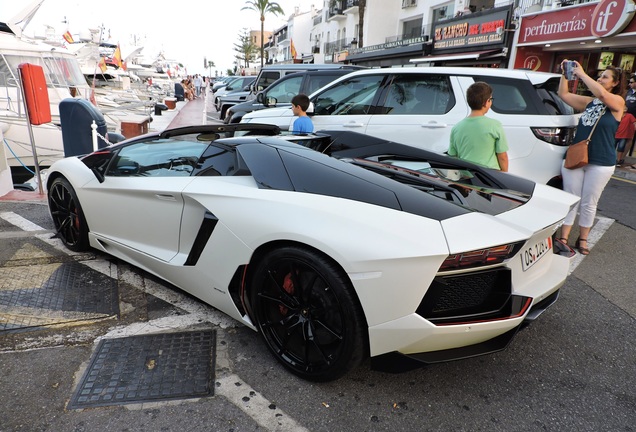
<point>58,71</point>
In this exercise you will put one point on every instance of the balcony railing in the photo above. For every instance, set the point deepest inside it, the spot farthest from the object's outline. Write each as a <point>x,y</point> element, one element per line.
<point>339,45</point>
<point>318,19</point>
<point>408,3</point>
<point>414,33</point>
<point>281,37</point>
<point>351,3</point>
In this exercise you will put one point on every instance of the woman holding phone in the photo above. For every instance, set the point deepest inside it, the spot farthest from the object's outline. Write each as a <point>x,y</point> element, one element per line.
<point>606,107</point>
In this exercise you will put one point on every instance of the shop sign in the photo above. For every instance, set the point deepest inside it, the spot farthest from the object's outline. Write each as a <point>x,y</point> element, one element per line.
<point>611,17</point>
<point>603,19</point>
<point>468,31</point>
<point>533,58</point>
<point>388,45</point>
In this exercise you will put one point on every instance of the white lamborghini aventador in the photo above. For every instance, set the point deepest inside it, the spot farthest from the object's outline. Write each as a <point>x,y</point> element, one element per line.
<point>335,246</point>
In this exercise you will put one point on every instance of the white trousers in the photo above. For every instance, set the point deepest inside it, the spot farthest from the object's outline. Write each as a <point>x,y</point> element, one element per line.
<point>588,183</point>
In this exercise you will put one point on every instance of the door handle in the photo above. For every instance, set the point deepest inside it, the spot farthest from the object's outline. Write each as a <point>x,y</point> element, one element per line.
<point>353,125</point>
<point>165,197</point>
<point>434,125</point>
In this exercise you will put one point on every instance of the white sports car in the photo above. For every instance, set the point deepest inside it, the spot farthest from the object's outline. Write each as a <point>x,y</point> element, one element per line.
<point>335,246</point>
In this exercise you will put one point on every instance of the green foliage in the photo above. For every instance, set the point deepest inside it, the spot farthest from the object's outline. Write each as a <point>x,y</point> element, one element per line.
<point>245,49</point>
<point>263,7</point>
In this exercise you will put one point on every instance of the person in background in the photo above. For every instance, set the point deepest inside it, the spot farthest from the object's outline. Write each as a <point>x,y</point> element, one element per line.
<point>187,89</point>
<point>198,83</point>
<point>477,138</point>
<point>624,136</point>
<point>630,102</point>
<point>606,105</point>
<point>303,124</point>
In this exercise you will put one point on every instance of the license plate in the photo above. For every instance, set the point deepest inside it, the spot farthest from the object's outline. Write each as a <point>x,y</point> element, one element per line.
<point>532,254</point>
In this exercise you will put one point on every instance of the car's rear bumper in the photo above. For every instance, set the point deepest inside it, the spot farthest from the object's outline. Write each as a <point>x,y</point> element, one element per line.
<point>399,362</point>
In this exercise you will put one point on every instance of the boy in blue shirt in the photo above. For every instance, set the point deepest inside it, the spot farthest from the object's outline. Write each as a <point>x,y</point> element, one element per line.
<point>303,124</point>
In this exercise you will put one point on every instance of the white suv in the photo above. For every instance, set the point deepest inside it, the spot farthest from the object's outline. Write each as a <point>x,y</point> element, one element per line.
<point>419,106</point>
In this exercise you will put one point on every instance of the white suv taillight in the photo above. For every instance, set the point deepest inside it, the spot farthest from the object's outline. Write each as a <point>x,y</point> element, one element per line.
<point>561,136</point>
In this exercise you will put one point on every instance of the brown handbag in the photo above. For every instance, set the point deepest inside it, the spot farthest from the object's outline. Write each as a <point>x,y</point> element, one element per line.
<point>576,156</point>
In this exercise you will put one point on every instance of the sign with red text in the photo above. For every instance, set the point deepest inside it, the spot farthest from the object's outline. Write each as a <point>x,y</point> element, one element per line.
<point>588,20</point>
<point>475,31</point>
<point>611,17</point>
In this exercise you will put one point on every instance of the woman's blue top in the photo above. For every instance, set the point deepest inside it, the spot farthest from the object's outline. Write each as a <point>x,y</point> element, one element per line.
<point>602,149</point>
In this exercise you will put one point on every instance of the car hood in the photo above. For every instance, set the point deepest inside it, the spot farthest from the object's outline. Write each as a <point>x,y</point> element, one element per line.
<point>269,112</point>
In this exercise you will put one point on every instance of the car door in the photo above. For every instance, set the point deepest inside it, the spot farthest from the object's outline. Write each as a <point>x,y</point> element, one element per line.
<point>419,109</point>
<point>139,204</point>
<point>348,104</point>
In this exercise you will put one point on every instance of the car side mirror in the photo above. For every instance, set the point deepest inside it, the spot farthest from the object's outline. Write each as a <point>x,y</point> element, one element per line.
<point>260,98</point>
<point>270,101</point>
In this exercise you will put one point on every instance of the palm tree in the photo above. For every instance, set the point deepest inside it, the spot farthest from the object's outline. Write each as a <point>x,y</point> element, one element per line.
<point>210,66</point>
<point>263,7</point>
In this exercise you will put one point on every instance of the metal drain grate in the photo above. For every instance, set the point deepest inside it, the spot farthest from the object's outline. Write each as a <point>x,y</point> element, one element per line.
<point>55,293</point>
<point>148,368</point>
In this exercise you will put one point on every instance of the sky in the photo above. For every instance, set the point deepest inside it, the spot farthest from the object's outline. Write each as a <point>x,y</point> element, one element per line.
<point>187,31</point>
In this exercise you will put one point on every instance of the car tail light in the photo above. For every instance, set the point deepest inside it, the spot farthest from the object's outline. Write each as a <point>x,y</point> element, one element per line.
<point>561,136</point>
<point>481,257</point>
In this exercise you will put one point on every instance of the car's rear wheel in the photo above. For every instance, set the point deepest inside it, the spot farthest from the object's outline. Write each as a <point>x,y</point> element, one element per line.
<point>67,215</point>
<point>306,311</point>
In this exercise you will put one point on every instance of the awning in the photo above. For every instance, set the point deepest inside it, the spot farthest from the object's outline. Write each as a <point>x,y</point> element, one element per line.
<point>466,56</point>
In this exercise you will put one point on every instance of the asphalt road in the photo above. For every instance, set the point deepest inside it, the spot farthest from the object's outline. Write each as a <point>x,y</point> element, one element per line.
<point>574,369</point>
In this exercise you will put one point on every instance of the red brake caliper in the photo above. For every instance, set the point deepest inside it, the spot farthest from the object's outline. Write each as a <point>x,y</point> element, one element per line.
<point>288,285</point>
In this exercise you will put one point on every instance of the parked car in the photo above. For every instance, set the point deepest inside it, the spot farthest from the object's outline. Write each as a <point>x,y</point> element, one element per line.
<point>335,247</point>
<point>270,73</point>
<point>419,106</point>
<point>280,93</point>
<point>220,82</point>
<point>238,84</point>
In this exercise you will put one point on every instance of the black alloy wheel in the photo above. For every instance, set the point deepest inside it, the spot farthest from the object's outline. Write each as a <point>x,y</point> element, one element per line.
<point>67,215</point>
<point>306,311</point>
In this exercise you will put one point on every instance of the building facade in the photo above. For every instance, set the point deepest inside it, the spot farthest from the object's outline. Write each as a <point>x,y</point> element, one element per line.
<point>532,34</point>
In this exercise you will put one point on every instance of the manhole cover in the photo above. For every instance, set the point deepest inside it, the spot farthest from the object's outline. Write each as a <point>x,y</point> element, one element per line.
<point>148,368</point>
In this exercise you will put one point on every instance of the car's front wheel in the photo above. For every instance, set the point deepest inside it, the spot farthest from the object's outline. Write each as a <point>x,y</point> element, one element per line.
<point>67,215</point>
<point>306,311</point>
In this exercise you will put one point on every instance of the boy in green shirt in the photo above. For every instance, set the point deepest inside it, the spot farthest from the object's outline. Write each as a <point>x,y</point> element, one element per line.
<point>477,138</point>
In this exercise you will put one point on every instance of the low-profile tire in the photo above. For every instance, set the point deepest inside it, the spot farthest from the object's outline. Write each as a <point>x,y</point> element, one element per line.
<point>67,215</point>
<point>305,309</point>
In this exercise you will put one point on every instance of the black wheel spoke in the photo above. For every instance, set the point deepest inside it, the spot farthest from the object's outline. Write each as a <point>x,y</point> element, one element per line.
<point>328,328</point>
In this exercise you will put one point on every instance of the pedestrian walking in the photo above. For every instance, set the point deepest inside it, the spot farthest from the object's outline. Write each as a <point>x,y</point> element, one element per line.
<point>198,83</point>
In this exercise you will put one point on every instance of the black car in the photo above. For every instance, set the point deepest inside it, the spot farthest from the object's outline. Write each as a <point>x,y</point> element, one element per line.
<point>280,93</point>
